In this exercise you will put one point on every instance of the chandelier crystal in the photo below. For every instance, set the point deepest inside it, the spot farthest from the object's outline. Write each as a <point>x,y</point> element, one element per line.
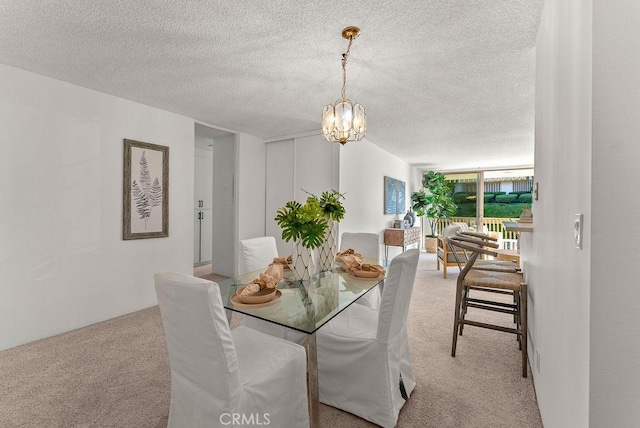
<point>345,120</point>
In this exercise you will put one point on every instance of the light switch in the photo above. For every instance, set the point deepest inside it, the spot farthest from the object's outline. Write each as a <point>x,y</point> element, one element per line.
<point>577,231</point>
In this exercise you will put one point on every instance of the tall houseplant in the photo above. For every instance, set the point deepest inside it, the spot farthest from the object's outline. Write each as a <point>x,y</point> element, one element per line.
<point>333,212</point>
<point>434,203</point>
<point>305,225</point>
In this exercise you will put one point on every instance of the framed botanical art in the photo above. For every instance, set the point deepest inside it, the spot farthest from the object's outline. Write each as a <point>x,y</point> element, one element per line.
<point>145,191</point>
<point>394,196</point>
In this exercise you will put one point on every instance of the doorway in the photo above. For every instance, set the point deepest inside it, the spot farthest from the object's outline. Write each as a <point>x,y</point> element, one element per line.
<point>214,220</point>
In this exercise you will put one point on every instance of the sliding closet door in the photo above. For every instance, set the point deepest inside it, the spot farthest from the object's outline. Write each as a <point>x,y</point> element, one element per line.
<point>317,167</point>
<point>294,167</point>
<point>223,214</point>
<point>279,187</point>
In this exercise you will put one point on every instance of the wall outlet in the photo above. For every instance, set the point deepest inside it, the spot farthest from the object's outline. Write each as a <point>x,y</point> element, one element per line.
<point>537,360</point>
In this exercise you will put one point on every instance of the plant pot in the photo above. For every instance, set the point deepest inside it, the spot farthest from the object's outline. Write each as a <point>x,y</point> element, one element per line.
<point>303,262</point>
<point>431,244</point>
<point>329,248</point>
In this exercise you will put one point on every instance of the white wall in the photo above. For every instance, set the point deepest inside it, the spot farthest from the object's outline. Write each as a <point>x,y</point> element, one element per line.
<point>223,211</point>
<point>558,274</point>
<point>249,188</point>
<point>615,288</point>
<point>63,263</point>
<point>585,301</point>
<point>363,166</point>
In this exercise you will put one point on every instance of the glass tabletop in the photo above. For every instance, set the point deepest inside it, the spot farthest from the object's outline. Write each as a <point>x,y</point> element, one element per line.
<point>301,305</point>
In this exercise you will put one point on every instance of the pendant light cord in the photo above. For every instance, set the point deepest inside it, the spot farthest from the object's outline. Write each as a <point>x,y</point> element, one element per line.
<point>345,56</point>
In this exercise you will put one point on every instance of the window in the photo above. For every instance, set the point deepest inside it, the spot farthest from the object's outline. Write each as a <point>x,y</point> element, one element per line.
<point>501,194</point>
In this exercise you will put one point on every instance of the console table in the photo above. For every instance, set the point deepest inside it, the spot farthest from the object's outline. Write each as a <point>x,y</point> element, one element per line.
<point>400,238</point>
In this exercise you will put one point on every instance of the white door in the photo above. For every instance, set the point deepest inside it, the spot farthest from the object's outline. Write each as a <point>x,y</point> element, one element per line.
<point>203,195</point>
<point>223,214</point>
<point>206,232</point>
<point>296,166</point>
<point>279,188</point>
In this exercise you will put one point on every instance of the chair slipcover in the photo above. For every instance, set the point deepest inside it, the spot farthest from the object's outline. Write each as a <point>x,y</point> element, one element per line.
<point>216,372</point>
<point>363,354</point>
<point>257,253</point>
<point>368,245</point>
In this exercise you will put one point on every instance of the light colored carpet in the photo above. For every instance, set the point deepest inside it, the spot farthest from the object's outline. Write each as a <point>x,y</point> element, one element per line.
<point>116,373</point>
<point>206,272</point>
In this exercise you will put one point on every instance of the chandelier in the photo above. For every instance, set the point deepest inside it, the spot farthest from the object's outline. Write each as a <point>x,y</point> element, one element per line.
<point>345,120</point>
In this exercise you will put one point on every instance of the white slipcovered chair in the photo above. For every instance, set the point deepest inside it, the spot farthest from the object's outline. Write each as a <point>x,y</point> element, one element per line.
<point>368,245</point>
<point>258,253</point>
<point>364,365</point>
<point>216,372</point>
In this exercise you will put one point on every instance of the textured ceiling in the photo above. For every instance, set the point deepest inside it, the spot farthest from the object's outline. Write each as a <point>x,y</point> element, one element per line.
<point>446,84</point>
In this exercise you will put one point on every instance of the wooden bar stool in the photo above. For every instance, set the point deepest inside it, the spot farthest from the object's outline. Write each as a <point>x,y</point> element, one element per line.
<point>509,255</point>
<point>500,281</point>
<point>480,240</point>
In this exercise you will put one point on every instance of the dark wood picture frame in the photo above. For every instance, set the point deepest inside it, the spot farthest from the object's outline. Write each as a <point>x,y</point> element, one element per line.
<point>146,190</point>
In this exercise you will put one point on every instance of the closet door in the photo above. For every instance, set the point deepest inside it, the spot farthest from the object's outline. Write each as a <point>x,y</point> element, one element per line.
<point>203,194</point>
<point>316,166</point>
<point>279,188</point>
<point>294,167</point>
<point>222,212</point>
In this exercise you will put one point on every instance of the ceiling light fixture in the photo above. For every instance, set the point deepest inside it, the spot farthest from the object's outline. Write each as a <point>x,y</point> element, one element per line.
<point>344,121</point>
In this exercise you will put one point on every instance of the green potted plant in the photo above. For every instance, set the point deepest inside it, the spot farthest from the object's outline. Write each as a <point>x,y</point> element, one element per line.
<point>305,225</point>
<point>333,212</point>
<point>434,203</point>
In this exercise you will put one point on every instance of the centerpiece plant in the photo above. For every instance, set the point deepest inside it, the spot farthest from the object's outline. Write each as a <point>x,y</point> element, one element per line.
<point>302,223</point>
<point>333,212</point>
<point>305,225</point>
<point>310,226</point>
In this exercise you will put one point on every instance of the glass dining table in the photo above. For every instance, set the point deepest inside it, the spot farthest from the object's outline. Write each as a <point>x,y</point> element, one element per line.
<point>302,306</point>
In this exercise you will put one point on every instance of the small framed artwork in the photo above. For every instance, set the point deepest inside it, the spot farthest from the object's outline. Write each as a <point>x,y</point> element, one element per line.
<point>145,191</point>
<point>394,196</point>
